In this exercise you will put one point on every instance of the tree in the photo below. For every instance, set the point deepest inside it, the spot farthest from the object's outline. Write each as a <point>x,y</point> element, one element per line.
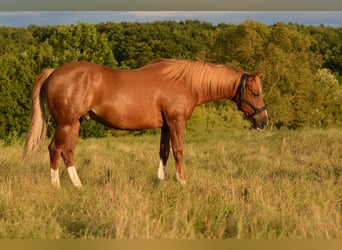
<point>80,42</point>
<point>289,67</point>
<point>325,99</point>
<point>328,42</point>
<point>16,76</point>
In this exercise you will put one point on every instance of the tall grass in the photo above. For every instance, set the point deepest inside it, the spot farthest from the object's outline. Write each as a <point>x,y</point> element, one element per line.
<point>240,184</point>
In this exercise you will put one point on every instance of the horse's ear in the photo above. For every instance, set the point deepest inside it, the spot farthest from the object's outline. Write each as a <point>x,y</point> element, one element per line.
<point>255,75</point>
<point>258,74</point>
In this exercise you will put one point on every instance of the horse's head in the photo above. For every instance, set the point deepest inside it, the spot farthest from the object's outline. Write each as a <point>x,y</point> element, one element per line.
<point>250,100</point>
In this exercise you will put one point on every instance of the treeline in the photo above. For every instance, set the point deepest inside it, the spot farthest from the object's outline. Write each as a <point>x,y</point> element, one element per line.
<point>301,65</point>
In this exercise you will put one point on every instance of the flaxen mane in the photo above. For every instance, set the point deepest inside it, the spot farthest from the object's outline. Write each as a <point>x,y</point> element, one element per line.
<point>202,78</point>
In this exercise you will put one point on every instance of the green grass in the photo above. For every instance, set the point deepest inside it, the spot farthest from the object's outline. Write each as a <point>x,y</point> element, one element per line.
<point>240,184</point>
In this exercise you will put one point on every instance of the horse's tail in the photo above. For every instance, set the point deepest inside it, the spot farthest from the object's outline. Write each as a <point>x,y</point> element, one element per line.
<point>38,127</point>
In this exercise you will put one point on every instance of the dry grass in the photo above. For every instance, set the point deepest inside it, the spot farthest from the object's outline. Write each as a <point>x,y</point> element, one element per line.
<point>241,184</point>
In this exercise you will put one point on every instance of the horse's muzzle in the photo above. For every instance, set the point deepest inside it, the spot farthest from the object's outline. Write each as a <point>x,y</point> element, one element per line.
<point>260,120</point>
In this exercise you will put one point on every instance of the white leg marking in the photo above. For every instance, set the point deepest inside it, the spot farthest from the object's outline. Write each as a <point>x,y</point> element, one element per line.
<point>55,178</point>
<point>182,182</point>
<point>74,177</point>
<point>161,170</point>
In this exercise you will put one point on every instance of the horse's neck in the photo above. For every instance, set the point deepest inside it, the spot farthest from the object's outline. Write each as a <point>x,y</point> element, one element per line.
<point>211,95</point>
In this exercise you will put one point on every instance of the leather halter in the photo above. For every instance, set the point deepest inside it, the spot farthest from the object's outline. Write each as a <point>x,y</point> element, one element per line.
<point>244,100</point>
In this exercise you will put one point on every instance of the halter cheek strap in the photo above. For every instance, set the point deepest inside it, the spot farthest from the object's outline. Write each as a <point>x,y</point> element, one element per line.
<point>244,100</point>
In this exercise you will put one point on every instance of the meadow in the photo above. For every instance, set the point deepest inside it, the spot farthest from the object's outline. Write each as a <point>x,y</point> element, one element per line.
<point>241,184</point>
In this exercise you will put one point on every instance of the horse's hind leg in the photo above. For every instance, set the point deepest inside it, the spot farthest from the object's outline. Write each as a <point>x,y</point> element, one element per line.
<point>55,151</point>
<point>68,153</point>
<point>164,151</point>
<point>63,143</point>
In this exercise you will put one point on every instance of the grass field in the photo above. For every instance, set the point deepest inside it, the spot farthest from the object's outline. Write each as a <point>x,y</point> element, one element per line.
<point>240,184</point>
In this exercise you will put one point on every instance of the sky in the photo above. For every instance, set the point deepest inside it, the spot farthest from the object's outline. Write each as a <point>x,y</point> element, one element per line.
<point>42,18</point>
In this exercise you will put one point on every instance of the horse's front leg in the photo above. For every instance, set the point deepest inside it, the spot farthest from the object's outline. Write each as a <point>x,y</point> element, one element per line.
<point>164,150</point>
<point>177,129</point>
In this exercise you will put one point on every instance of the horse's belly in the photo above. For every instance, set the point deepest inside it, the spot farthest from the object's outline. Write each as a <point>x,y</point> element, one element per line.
<point>128,118</point>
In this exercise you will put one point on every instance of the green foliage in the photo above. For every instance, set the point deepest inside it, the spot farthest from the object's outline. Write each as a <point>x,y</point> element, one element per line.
<point>328,44</point>
<point>93,129</point>
<point>17,66</point>
<point>81,42</point>
<point>301,65</point>
<point>325,99</point>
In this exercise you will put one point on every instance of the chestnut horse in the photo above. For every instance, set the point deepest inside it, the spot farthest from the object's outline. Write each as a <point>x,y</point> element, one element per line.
<point>162,94</point>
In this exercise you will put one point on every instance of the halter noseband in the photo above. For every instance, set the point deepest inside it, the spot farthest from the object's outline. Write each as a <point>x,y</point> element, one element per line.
<point>243,99</point>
